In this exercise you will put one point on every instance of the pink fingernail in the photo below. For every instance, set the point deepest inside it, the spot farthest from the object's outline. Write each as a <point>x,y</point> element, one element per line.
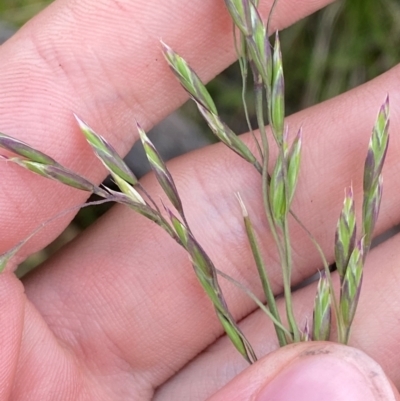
<point>318,378</point>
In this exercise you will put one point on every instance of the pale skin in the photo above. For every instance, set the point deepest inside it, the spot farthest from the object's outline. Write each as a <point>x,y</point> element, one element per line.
<point>118,314</point>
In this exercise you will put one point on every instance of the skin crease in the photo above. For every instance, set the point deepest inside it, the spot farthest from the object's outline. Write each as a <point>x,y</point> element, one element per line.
<point>118,313</point>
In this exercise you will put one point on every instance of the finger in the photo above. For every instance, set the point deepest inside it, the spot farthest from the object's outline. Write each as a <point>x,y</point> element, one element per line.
<point>11,327</point>
<point>118,256</point>
<point>375,331</point>
<point>311,371</point>
<point>101,60</point>
<point>41,368</point>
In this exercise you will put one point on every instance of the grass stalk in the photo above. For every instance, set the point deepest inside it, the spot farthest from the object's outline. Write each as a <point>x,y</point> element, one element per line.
<point>287,273</point>
<point>244,72</point>
<point>262,272</point>
<point>266,310</point>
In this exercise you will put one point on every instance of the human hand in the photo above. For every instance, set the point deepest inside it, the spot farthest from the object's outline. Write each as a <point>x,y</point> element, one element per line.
<point>118,313</point>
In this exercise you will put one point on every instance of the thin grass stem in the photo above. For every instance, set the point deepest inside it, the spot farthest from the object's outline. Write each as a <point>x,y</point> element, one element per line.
<point>262,272</point>
<point>326,270</point>
<point>287,273</point>
<point>258,303</point>
<point>244,72</point>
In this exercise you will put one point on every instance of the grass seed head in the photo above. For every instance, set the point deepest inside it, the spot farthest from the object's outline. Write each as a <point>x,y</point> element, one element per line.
<point>377,149</point>
<point>140,208</point>
<point>322,311</point>
<point>193,85</point>
<point>280,189</point>
<point>306,334</point>
<point>345,236</point>
<point>237,338</point>
<point>189,80</point>
<point>237,9</point>
<point>351,286</point>
<point>106,153</point>
<point>219,129</point>
<point>201,260</point>
<point>22,149</point>
<point>259,45</point>
<point>277,193</point>
<point>128,189</point>
<point>207,276</point>
<point>160,170</point>
<point>371,206</point>
<point>227,136</point>
<point>60,174</point>
<point>278,92</point>
<point>372,184</point>
<point>180,228</point>
<point>294,161</point>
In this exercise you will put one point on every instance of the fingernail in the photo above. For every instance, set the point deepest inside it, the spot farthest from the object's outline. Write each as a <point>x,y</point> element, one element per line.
<point>319,377</point>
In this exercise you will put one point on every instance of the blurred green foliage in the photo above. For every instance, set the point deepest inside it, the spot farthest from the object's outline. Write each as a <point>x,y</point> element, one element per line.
<point>343,46</point>
<point>17,12</point>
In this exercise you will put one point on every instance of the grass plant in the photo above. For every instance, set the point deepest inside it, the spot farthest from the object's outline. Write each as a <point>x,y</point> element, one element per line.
<point>261,61</point>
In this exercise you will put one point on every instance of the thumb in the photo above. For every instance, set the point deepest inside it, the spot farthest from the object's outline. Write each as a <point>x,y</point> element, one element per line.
<point>313,371</point>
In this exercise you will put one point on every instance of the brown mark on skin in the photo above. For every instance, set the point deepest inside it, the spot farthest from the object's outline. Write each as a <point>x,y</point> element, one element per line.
<point>313,352</point>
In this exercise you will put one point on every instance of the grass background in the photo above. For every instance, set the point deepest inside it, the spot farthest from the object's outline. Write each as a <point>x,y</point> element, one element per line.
<point>328,53</point>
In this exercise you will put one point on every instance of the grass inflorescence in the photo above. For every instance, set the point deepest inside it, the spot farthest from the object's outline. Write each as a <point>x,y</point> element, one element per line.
<point>261,60</point>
